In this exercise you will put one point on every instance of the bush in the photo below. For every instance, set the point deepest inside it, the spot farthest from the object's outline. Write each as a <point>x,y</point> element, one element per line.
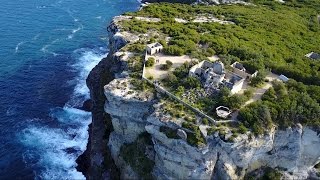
<point>174,50</point>
<point>192,82</point>
<point>150,62</point>
<point>136,47</point>
<point>171,79</point>
<point>170,133</point>
<point>242,129</point>
<point>271,174</point>
<point>205,121</point>
<point>134,154</point>
<point>169,63</point>
<point>150,78</point>
<point>259,79</point>
<point>166,66</point>
<point>194,139</point>
<point>180,90</point>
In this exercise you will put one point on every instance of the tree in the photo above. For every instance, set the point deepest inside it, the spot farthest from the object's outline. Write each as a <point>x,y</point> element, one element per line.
<point>169,63</point>
<point>174,50</point>
<point>224,92</point>
<point>259,79</point>
<point>269,95</point>
<point>191,82</point>
<point>256,116</point>
<point>171,79</point>
<point>166,66</point>
<point>150,62</point>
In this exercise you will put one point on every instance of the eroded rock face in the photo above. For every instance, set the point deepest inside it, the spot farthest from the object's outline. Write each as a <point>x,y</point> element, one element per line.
<point>127,122</point>
<point>294,150</point>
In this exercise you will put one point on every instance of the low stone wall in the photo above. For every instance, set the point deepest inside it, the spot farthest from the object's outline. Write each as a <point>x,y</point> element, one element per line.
<point>164,91</point>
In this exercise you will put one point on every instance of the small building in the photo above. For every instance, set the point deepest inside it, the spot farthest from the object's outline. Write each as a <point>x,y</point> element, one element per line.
<point>213,76</point>
<point>154,48</point>
<point>313,55</point>
<point>283,78</point>
<point>240,70</point>
<point>233,81</point>
<point>223,111</point>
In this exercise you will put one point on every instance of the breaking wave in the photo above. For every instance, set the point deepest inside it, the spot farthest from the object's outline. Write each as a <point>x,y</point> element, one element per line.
<point>54,149</point>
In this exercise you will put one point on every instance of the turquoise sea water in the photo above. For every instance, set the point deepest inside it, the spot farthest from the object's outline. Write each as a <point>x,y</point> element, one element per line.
<point>47,48</point>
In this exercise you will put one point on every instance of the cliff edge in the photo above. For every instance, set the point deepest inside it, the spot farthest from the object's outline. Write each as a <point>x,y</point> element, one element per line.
<point>130,137</point>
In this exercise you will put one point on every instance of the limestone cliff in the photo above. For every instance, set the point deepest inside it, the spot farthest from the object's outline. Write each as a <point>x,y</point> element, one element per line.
<point>121,114</point>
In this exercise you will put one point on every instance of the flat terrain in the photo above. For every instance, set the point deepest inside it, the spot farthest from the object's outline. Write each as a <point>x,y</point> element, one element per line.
<point>161,59</point>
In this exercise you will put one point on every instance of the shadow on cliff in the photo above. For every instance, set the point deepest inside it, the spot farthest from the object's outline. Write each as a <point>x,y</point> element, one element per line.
<point>96,162</point>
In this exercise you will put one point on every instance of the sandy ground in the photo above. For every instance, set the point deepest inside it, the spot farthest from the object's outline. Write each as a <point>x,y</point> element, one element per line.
<point>157,73</point>
<point>213,58</point>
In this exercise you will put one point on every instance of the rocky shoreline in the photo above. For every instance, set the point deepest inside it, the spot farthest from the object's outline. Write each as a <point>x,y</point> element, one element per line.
<point>118,120</point>
<point>90,162</point>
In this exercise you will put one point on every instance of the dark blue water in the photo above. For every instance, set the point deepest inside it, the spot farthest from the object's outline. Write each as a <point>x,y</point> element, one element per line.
<point>47,48</point>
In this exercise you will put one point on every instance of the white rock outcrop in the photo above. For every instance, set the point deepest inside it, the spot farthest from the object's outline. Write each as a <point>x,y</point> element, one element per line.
<point>295,150</point>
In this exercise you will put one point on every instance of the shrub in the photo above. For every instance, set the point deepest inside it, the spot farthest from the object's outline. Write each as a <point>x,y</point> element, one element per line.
<point>192,82</point>
<point>205,121</point>
<point>242,129</point>
<point>180,90</point>
<point>169,63</point>
<point>166,66</point>
<point>170,133</point>
<point>150,62</point>
<point>174,50</point>
<point>271,174</point>
<point>152,40</point>
<point>136,47</point>
<point>134,154</point>
<point>171,79</point>
<point>194,139</point>
<point>259,79</point>
<point>150,78</point>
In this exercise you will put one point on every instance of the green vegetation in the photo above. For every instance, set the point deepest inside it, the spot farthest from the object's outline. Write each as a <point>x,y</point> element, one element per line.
<point>283,105</point>
<point>134,155</point>
<point>166,66</point>
<point>150,62</point>
<point>178,110</point>
<point>170,133</point>
<point>268,35</point>
<point>135,65</point>
<point>268,174</point>
<point>137,47</point>
<point>195,138</point>
<point>259,79</point>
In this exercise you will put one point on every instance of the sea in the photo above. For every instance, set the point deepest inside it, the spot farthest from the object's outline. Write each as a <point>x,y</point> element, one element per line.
<point>47,49</point>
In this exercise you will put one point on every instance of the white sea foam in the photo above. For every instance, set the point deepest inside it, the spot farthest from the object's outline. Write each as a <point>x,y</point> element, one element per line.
<point>45,48</point>
<point>54,150</point>
<point>87,61</point>
<point>18,45</point>
<point>73,31</point>
<point>49,150</point>
<point>36,37</point>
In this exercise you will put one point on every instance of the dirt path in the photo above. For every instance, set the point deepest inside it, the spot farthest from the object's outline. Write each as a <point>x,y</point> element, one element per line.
<point>260,91</point>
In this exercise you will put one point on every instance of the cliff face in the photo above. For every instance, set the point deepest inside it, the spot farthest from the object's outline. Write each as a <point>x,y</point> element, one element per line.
<point>293,150</point>
<point>121,114</point>
<point>96,161</point>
